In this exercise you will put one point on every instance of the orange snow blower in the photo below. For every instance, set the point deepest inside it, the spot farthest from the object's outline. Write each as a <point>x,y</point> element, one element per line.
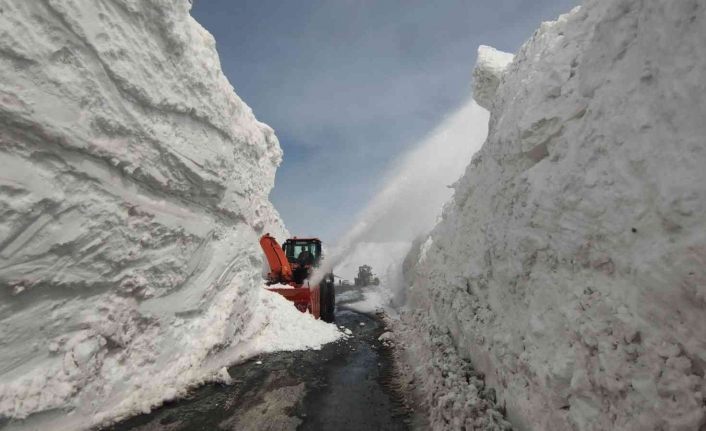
<point>292,264</point>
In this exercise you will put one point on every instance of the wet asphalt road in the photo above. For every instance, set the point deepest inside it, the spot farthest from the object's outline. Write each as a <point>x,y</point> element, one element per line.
<point>343,386</point>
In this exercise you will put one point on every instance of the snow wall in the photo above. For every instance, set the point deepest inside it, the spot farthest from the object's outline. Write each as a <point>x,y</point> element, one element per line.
<point>133,187</point>
<point>570,265</point>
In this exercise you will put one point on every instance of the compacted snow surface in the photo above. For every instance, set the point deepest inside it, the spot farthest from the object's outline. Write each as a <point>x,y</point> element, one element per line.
<point>570,265</point>
<point>133,188</point>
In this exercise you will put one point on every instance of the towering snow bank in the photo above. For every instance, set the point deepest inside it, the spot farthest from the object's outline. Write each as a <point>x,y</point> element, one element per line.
<point>133,186</point>
<point>570,265</point>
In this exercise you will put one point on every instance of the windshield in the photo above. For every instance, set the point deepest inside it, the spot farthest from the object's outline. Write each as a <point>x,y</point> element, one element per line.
<point>294,250</point>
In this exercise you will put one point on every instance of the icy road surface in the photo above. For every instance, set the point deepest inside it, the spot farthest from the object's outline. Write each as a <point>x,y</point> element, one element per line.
<point>343,386</point>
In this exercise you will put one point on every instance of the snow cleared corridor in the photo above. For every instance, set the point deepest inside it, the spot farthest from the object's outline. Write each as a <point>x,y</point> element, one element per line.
<point>543,251</point>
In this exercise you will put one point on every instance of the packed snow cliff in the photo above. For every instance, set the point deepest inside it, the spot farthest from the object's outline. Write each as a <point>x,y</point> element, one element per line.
<point>133,187</point>
<point>570,265</point>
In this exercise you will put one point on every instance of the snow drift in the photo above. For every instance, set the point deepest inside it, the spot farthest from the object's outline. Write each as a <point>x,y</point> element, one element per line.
<point>133,186</point>
<point>570,265</point>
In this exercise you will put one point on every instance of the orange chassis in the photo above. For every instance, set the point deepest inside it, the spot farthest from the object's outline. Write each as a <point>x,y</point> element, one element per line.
<point>304,296</point>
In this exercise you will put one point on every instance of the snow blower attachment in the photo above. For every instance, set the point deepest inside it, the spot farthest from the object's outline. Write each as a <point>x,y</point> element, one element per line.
<point>292,264</point>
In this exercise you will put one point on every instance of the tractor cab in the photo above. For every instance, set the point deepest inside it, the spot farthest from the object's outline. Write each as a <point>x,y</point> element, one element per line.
<point>303,251</point>
<point>292,264</point>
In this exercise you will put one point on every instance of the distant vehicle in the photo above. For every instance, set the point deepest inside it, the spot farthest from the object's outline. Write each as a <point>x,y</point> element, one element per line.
<point>366,277</point>
<point>292,264</point>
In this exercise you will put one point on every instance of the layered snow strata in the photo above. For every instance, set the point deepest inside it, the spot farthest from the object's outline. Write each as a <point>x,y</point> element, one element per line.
<point>133,186</point>
<point>570,266</point>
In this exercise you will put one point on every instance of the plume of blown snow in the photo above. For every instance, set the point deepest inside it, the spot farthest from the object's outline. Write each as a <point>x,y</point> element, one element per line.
<point>412,197</point>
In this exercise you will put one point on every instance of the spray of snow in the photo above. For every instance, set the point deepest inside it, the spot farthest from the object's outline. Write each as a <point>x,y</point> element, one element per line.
<point>133,187</point>
<point>570,266</point>
<point>410,201</point>
<point>386,258</point>
<point>385,255</point>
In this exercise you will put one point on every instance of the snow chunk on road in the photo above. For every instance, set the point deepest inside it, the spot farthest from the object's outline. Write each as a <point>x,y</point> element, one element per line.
<point>490,66</point>
<point>386,336</point>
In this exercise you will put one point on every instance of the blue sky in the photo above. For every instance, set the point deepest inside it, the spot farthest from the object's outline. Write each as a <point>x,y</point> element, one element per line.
<point>351,85</point>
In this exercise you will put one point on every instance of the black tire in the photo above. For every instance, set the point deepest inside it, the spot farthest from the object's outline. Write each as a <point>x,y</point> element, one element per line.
<point>327,301</point>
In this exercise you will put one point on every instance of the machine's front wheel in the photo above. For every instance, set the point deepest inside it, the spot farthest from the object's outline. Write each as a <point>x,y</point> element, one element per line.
<point>327,300</point>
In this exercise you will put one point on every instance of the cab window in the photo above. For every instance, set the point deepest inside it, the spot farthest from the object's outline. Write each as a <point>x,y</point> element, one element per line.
<point>293,250</point>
